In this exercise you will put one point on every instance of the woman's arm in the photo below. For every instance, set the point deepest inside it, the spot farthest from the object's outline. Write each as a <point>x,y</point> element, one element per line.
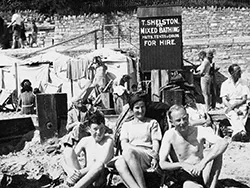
<point>125,144</point>
<point>204,121</point>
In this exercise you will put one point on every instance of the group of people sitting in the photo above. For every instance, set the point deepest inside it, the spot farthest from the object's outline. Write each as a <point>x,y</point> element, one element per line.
<point>145,148</point>
<point>189,148</point>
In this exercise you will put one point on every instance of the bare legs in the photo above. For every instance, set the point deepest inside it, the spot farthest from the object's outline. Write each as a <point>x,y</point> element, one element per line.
<point>237,122</point>
<point>190,184</point>
<point>205,88</point>
<point>130,169</point>
<point>88,175</point>
<point>70,161</point>
<point>212,171</point>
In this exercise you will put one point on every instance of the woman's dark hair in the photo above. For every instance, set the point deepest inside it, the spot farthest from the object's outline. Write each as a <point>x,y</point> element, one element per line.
<point>96,117</point>
<point>134,99</point>
<point>25,82</point>
<point>26,86</point>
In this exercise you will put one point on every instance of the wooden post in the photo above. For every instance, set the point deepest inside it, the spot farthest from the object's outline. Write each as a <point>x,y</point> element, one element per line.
<point>72,86</point>
<point>103,35</point>
<point>118,27</point>
<point>164,77</point>
<point>155,85</point>
<point>70,78</point>
<point>164,81</point>
<point>130,37</point>
<point>95,40</point>
<point>138,77</point>
<point>16,75</point>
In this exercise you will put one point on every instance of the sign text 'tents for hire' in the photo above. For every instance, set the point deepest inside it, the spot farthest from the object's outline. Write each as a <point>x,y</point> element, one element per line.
<point>161,42</point>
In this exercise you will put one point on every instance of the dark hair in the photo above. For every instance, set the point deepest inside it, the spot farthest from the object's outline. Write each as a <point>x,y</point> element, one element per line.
<point>36,91</point>
<point>125,78</point>
<point>26,86</point>
<point>210,54</point>
<point>25,82</point>
<point>96,117</point>
<point>231,68</point>
<point>134,86</point>
<point>202,53</point>
<point>134,99</point>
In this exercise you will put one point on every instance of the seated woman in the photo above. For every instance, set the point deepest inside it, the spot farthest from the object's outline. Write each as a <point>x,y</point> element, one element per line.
<point>140,142</point>
<point>197,112</point>
<point>198,115</point>
<point>98,149</point>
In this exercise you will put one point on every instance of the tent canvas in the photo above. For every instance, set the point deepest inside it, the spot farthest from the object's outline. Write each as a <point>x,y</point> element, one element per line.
<point>38,75</point>
<point>7,61</point>
<point>118,63</point>
<point>59,60</point>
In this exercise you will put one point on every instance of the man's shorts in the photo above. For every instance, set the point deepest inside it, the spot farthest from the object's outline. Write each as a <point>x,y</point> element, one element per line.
<point>16,31</point>
<point>182,176</point>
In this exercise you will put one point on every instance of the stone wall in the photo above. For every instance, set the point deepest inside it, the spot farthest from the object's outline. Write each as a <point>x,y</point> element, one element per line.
<point>227,30</point>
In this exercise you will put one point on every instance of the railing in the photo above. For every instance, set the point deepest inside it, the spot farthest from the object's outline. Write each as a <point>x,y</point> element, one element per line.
<point>125,34</point>
<point>107,34</point>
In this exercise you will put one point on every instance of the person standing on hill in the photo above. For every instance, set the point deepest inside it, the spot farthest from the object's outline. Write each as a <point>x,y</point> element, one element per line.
<point>16,21</point>
<point>23,34</point>
<point>33,36</point>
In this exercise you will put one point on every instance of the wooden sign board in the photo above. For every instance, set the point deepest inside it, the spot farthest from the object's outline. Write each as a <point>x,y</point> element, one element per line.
<point>160,30</point>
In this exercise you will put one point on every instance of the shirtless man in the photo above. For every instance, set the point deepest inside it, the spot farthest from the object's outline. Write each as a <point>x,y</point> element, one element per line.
<point>194,167</point>
<point>97,149</point>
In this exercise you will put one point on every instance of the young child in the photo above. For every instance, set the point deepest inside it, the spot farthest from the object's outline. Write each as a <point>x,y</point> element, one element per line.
<point>98,149</point>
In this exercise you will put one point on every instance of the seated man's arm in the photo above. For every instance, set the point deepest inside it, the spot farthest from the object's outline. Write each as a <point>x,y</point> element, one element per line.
<point>80,146</point>
<point>78,149</point>
<point>164,154</point>
<point>237,104</point>
<point>219,146</point>
<point>71,122</point>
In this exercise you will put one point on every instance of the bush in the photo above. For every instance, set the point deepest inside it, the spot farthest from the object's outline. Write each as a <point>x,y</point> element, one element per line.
<point>76,7</point>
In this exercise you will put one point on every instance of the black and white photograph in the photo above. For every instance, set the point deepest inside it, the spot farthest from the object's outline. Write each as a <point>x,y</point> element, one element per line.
<point>124,94</point>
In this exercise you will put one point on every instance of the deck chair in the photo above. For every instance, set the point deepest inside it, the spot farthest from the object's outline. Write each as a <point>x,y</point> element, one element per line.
<point>6,98</point>
<point>155,110</point>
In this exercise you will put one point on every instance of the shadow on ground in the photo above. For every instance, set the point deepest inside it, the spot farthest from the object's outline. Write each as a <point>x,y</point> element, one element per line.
<point>231,183</point>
